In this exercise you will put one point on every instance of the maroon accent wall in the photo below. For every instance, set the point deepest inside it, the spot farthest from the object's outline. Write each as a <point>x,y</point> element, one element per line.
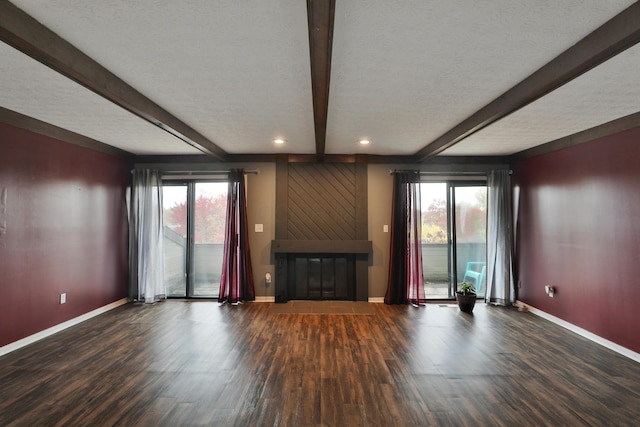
<point>63,228</point>
<point>578,230</point>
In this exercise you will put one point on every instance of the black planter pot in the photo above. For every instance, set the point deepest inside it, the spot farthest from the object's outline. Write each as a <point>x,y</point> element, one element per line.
<point>466,302</point>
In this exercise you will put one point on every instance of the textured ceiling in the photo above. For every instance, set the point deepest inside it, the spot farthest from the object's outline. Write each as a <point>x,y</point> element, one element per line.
<point>595,98</point>
<point>235,71</point>
<point>30,88</point>
<point>403,72</point>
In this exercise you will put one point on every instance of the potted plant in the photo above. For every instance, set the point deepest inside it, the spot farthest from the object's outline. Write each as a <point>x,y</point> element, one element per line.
<point>466,297</point>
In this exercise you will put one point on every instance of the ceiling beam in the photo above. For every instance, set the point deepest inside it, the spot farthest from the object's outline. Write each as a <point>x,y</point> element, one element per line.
<point>613,37</point>
<point>320,15</point>
<point>24,33</point>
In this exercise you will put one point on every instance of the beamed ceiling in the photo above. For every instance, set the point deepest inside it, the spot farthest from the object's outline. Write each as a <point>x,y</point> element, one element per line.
<point>225,78</point>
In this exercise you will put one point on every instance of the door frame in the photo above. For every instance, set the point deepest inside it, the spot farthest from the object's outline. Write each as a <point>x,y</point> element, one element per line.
<point>450,204</point>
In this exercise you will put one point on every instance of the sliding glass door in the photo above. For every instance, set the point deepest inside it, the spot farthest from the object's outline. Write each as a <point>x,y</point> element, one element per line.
<point>174,218</point>
<point>435,240</point>
<point>453,236</point>
<point>470,234</point>
<point>194,224</point>
<point>208,237</point>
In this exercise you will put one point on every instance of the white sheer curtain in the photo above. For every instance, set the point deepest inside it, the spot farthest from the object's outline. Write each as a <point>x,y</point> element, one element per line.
<point>500,283</point>
<point>146,251</point>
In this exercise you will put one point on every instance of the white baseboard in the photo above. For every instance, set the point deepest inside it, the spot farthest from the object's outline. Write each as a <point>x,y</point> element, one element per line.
<point>377,300</point>
<point>582,332</point>
<point>60,327</point>
<point>265,299</point>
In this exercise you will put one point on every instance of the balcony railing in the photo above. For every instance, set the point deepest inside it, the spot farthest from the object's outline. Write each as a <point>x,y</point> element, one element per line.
<point>435,263</point>
<point>207,266</point>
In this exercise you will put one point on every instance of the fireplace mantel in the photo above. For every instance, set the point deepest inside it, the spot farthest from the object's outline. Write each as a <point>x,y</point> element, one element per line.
<point>321,246</point>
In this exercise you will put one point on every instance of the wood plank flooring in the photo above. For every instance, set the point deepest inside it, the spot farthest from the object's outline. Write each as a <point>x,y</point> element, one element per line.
<point>322,307</point>
<point>181,363</point>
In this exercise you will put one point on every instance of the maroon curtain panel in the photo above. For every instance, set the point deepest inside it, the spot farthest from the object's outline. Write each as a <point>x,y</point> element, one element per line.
<point>406,280</point>
<point>236,283</point>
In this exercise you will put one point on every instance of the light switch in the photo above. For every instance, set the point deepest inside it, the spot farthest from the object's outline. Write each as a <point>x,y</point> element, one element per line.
<point>259,228</point>
<point>385,228</point>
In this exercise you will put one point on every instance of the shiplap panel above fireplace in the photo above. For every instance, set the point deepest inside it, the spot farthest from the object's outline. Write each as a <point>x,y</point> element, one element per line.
<point>322,202</point>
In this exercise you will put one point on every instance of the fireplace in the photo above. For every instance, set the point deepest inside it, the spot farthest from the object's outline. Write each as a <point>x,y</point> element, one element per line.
<point>321,276</point>
<point>321,270</point>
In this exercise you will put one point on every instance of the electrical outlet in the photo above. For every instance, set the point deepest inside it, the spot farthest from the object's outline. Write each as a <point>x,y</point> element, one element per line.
<point>549,290</point>
<point>63,298</point>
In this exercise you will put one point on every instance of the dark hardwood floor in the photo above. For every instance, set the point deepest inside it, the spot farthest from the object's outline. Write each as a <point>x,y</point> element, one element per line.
<point>181,363</point>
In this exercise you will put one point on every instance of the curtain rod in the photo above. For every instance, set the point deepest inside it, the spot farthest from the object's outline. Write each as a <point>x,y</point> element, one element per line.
<point>205,172</point>
<point>392,171</point>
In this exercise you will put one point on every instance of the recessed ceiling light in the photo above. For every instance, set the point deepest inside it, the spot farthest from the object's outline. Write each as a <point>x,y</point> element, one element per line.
<point>278,141</point>
<point>364,141</point>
